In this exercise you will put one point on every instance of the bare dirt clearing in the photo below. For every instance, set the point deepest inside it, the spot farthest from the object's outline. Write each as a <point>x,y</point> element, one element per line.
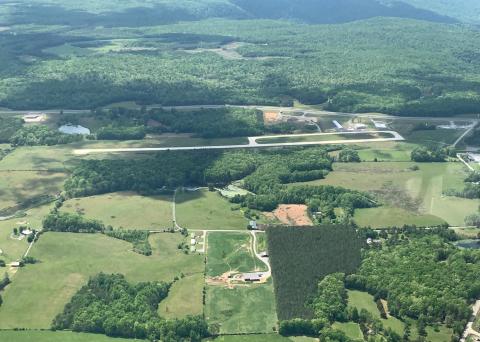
<point>270,117</point>
<point>293,214</point>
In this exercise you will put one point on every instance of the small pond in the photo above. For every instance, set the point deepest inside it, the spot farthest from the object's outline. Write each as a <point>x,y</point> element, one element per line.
<point>470,244</point>
<point>70,129</point>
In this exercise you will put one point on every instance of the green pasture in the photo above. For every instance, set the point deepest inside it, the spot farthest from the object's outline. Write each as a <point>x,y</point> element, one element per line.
<point>16,187</point>
<point>203,209</point>
<point>56,158</point>
<point>408,196</point>
<point>57,336</point>
<point>40,291</point>
<point>243,309</point>
<point>393,217</point>
<point>262,338</point>
<point>363,300</point>
<point>125,209</point>
<point>322,138</point>
<point>436,137</point>
<point>231,252</point>
<point>13,249</point>
<point>185,298</point>
<point>351,329</point>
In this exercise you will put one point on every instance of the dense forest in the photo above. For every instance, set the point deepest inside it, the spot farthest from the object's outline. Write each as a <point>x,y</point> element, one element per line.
<point>400,66</point>
<point>301,257</point>
<point>159,12</point>
<point>425,278</point>
<point>37,135</point>
<point>120,123</point>
<point>8,128</point>
<point>109,305</point>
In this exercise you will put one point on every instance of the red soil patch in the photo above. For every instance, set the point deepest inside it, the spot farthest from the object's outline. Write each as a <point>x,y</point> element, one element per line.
<point>293,214</point>
<point>270,117</point>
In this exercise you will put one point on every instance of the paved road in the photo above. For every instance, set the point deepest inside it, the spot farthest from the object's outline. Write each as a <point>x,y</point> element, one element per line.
<point>252,143</point>
<point>469,328</point>
<point>285,110</point>
<point>467,132</point>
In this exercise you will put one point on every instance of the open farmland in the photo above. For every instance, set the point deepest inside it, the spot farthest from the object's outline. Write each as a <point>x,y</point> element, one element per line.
<point>125,210</point>
<point>408,196</point>
<point>241,309</point>
<point>13,249</point>
<point>203,209</point>
<point>301,257</point>
<point>184,298</point>
<point>68,260</point>
<point>57,336</point>
<point>323,138</point>
<point>231,252</point>
<point>19,189</point>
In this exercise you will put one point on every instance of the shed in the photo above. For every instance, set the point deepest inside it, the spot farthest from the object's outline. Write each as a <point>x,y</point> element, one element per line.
<point>253,225</point>
<point>15,264</point>
<point>252,276</point>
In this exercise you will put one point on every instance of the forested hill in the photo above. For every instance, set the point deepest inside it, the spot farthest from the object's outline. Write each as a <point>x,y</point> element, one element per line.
<point>335,11</point>
<point>154,12</point>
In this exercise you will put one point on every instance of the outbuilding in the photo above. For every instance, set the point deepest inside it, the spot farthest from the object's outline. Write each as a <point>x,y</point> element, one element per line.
<point>253,277</point>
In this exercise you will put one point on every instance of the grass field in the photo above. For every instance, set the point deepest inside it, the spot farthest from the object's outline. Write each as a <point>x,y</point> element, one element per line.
<point>322,137</point>
<point>14,249</point>
<point>56,158</point>
<point>185,298</point>
<point>351,329</point>
<point>262,338</point>
<point>17,187</point>
<point>414,197</point>
<point>58,336</point>
<point>68,260</point>
<point>243,309</point>
<point>207,210</point>
<point>231,252</point>
<point>363,300</point>
<point>125,209</point>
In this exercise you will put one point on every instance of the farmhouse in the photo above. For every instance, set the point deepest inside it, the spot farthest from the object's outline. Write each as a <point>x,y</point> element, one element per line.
<point>27,232</point>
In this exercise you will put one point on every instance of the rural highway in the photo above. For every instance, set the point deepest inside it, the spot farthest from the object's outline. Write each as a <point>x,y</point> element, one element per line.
<point>286,110</point>
<point>252,143</point>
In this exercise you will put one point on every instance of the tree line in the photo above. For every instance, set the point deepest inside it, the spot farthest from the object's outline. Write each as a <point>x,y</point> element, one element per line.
<point>109,305</point>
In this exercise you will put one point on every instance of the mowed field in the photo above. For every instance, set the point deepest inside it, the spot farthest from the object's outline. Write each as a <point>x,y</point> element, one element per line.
<point>242,309</point>
<point>57,336</point>
<point>17,187</point>
<point>185,298</point>
<point>13,249</point>
<point>39,292</point>
<point>408,196</point>
<point>203,209</point>
<point>231,252</point>
<point>125,209</point>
